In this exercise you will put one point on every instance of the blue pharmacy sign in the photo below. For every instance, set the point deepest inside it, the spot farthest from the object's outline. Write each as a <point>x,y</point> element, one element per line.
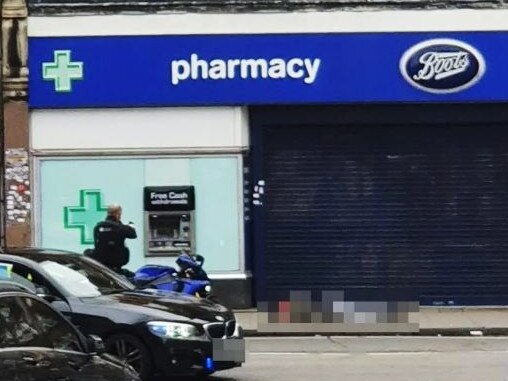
<point>137,71</point>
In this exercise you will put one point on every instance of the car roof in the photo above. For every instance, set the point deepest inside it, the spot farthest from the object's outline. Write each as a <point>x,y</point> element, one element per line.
<point>37,254</point>
<point>31,257</point>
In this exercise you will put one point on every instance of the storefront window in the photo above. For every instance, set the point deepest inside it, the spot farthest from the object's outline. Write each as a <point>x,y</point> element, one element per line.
<point>68,210</point>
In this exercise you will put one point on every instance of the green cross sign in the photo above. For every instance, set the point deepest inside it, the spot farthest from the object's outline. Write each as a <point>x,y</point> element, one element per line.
<point>85,216</point>
<point>62,71</point>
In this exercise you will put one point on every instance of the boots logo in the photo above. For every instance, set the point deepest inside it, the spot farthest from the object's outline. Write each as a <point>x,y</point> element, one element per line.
<point>442,66</point>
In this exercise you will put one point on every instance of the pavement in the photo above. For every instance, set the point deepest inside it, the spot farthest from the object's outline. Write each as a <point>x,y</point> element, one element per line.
<point>428,321</point>
<point>366,358</point>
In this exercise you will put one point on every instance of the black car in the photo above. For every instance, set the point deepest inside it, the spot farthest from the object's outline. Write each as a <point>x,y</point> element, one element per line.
<point>154,332</point>
<point>39,344</point>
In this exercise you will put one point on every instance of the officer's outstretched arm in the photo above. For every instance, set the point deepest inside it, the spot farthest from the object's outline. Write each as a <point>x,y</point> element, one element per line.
<point>129,231</point>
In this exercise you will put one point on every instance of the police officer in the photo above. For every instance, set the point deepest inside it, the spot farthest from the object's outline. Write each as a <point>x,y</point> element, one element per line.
<point>109,238</point>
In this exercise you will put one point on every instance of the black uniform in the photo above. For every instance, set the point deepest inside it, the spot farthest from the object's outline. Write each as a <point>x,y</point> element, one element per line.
<point>109,237</point>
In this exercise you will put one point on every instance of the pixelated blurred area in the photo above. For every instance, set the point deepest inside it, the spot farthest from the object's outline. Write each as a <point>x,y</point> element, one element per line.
<point>335,314</point>
<point>229,350</point>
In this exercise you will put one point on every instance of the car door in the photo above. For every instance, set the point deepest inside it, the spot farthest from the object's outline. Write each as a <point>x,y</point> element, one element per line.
<point>9,356</point>
<point>8,359</point>
<point>31,278</point>
<point>67,351</point>
<point>19,339</point>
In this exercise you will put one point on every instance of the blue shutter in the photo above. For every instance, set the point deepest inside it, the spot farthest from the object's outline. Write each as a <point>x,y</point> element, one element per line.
<point>408,211</point>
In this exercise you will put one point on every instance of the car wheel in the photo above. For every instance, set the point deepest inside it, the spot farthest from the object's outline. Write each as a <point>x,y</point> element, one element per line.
<point>132,351</point>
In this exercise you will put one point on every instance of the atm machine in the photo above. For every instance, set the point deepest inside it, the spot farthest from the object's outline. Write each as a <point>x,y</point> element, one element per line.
<point>169,220</point>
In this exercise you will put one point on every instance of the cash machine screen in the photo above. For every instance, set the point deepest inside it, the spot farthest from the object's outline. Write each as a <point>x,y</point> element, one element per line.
<point>166,229</point>
<point>169,219</point>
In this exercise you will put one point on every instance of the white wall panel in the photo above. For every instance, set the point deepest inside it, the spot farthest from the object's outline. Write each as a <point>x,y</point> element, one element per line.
<point>271,22</point>
<point>126,129</point>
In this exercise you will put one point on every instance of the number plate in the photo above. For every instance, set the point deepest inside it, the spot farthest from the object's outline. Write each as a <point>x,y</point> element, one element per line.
<point>229,350</point>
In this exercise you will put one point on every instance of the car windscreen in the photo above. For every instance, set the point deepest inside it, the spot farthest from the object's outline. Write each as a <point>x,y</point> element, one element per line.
<point>82,278</point>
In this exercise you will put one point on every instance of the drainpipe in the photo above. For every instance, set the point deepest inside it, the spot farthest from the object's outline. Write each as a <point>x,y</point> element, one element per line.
<point>3,209</point>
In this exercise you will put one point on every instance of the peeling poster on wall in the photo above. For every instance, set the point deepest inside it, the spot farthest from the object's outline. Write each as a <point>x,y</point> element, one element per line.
<point>17,183</point>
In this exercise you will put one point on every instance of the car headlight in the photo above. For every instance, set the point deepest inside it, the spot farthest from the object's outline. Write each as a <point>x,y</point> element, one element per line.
<point>171,330</point>
<point>208,288</point>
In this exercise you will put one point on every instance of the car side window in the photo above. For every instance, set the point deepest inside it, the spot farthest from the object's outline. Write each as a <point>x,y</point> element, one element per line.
<point>27,322</point>
<point>17,329</point>
<point>56,331</point>
<point>31,279</point>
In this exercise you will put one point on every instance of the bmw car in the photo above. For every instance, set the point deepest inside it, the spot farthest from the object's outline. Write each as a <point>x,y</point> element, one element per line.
<point>154,332</point>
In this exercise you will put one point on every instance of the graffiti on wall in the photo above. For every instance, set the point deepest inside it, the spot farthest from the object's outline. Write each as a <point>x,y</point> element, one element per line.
<point>17,182</point>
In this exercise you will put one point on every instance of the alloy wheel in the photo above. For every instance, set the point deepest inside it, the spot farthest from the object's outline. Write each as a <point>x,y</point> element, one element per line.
<point>132,352</point>
<point>128,353</point>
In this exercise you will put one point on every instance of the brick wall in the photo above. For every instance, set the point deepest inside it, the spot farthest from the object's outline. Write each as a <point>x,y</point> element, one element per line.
<point>47,7</point>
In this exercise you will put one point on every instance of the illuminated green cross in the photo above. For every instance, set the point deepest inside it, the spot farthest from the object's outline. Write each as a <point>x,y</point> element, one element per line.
<point>62,71</point>
<point>86,215</point>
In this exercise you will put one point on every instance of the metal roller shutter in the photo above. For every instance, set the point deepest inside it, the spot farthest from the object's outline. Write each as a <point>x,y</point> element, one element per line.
<point>374,210</point>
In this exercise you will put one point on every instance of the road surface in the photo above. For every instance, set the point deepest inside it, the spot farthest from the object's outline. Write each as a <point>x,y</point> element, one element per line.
<point>373,359</point>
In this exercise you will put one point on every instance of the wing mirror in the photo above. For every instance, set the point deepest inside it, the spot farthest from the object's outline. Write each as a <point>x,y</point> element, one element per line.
<point>60,305</point>
<point>43,292</point>
<point>55,301</point>
<point>95,345</point>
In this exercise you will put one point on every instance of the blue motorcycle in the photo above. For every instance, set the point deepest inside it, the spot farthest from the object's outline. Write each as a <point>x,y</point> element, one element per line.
<point>190,279</point>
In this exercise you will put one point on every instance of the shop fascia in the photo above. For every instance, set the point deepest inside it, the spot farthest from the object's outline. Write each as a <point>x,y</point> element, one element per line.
<point>194,68</point>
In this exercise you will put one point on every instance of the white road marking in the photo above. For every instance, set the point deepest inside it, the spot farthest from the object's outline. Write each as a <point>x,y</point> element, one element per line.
<point>418,353</point>
<point>297,353</point>
<point>436,352</point>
